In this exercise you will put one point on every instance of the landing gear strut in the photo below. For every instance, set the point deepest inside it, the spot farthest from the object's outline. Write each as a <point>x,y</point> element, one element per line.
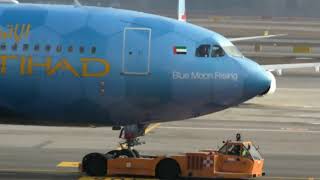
<point>94,164</point>
<point>130,135</point>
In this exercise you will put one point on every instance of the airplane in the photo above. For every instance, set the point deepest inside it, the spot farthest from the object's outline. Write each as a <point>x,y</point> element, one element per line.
<point>74,65</point>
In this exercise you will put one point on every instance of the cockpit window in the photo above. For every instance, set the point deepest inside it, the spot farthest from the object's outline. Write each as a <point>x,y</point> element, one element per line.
<point>203,50</point>
<point>206,50</point>
<point>232,51</point>
<point>217,51</point>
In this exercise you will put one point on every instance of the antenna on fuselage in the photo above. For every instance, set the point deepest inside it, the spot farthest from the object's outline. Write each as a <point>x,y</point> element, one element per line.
<point>77,3</point>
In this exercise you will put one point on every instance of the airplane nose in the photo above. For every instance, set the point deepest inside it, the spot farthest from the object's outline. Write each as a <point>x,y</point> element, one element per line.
<point>257,84</point>
<point>258,81</point>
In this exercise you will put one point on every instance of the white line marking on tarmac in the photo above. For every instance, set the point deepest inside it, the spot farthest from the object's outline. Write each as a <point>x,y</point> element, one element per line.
<point>243,129</point>
<point>300,89</point>
<point>304,58</point>
<point>279,105</point>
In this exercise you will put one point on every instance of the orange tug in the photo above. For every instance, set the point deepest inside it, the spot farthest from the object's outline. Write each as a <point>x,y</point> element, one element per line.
<point>235,160</point>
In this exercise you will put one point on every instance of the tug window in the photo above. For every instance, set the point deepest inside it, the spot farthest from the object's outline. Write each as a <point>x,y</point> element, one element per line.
<point>234,150</point>
<point>231,149</point>
<point>217,51</point>
<point>245,152</point>
<point>223,150</point>
<point>203,50</point>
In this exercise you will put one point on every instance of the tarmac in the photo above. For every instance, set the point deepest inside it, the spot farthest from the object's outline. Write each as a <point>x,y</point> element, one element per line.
<point>286,126</point>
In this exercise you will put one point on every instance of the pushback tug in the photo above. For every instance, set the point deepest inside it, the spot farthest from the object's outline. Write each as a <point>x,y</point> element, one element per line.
<point>236,159</point>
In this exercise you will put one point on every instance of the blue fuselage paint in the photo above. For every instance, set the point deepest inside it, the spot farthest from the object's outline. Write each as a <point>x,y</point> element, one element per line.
<point>146,81</point>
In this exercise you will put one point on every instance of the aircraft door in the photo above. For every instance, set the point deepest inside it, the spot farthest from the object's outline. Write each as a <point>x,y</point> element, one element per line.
<point>136,51</point>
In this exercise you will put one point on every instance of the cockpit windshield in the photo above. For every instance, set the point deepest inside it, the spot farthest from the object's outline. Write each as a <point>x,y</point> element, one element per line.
<point>207,50</point>
<point>233,51</point>
<point>203,50</point>
<point>217,51</point>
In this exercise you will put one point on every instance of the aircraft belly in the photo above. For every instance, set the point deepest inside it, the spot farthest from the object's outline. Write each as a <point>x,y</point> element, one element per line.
<point>14,95</point>
<point>60,99</point>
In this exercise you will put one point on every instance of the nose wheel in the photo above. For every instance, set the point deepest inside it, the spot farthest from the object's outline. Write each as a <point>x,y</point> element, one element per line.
<point>95,164</point>
<point>130,153</point>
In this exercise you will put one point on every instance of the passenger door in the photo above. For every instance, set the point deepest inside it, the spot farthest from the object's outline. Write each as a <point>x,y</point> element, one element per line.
<point>136,51</point>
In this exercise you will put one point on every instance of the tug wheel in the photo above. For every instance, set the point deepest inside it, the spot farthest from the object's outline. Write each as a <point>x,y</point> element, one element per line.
<point>95,164</point>
<point>168,169</point>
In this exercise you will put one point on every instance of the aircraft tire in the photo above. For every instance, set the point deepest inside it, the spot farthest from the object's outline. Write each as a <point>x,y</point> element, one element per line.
<point>168,169</point>
<point>94,164</point>
<point>126,153</point>
<point>113,154</point>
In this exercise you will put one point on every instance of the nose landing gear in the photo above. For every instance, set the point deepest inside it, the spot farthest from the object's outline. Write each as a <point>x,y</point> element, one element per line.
<point>131,135</point>
<point>94,164</point>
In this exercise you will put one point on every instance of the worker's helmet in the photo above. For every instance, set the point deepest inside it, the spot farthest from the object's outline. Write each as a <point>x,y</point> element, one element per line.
<point>238,137</point>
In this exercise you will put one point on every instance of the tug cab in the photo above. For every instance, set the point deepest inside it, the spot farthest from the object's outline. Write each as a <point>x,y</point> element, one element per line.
<point>234,160</point>
<point>239,158</point>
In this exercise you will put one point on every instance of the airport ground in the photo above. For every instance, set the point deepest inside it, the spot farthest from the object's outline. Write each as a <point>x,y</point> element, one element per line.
<point>286,126</point>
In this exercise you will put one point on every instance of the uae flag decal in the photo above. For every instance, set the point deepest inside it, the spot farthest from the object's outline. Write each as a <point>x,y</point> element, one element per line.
<point>180,50</point>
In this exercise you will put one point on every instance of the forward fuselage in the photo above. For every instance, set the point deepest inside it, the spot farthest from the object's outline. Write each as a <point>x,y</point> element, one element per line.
<point>67,65</point>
